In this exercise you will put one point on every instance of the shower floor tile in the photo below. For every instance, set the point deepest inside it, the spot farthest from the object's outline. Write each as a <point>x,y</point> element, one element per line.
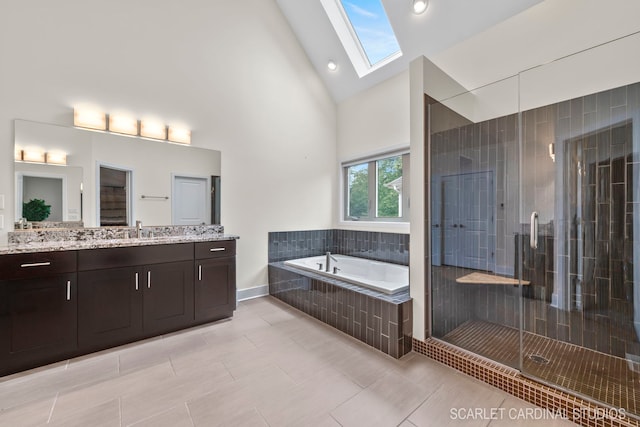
<point>602,377</point>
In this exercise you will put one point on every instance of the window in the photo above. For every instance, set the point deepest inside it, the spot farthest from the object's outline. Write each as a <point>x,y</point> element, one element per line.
<point>373,29</point>
<point>377,189</point>
<point>365,32</point>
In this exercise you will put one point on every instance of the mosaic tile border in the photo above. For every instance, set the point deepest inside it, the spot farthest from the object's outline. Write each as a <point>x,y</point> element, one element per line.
<point>510,380</point>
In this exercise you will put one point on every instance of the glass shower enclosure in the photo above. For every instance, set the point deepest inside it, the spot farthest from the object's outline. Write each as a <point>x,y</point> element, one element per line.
<point>534,222</point>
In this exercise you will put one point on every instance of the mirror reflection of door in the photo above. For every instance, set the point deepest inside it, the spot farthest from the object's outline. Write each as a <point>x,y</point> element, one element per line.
<point>115,206</point>
<point>191,200</point>
<point>468,221</point>
<point>49,189</point>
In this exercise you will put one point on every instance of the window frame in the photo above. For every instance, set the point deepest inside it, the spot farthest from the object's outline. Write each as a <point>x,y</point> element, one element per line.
<point>372,168</point>
<point>350,41</point>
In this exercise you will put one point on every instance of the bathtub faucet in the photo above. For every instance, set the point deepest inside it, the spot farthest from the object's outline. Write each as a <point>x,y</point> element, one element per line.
<point>327,265</point>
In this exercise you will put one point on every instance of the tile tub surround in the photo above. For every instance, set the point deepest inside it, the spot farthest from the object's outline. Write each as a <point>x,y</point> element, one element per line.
<point>381,321</point>
<point>387,247</point>
<point>577,410</point>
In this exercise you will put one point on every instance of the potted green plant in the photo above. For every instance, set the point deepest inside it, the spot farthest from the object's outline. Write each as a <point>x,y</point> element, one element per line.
<point>36,210</point>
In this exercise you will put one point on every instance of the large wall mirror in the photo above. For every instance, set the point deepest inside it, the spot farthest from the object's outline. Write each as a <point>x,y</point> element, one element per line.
<point>112,179</point>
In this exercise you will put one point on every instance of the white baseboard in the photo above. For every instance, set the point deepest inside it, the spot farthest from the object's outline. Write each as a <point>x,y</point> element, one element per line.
<point>250,293</point>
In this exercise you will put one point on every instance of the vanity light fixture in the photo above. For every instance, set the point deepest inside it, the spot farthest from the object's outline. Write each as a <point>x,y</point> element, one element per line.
<point>56,158</point>
<point>332,65</point>
<point>33,155</point>
<point>123,124</point>
<point>180,135</point>
<point>151,129</point>
<point>119,123</point>
<point>90,119</point>
<point>419,6</point>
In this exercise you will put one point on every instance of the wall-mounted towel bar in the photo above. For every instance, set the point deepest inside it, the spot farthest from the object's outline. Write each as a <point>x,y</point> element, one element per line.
<point>154,197</point>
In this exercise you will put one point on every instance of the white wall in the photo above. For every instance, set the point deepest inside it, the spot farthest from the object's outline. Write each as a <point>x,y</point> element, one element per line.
<point>372,122</point>
<point>231,71</point>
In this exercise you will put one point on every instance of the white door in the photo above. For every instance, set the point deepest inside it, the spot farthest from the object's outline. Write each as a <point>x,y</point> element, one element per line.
<point>476,220</point>
<point>467,220</point>
<point>191,201</point>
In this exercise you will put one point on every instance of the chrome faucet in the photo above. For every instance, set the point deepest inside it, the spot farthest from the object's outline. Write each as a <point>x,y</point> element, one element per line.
<point>22,222</point>
<point>139,229</point>
<point>327,265</point>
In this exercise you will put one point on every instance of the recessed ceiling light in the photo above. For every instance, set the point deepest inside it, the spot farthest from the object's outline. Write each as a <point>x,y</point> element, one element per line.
<point>332,65</point>
<point>419,6</point>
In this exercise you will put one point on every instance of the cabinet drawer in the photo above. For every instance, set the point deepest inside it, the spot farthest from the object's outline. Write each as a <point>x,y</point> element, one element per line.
<point>215,249</point>
<point>96,259</point>
<point>33,265</point>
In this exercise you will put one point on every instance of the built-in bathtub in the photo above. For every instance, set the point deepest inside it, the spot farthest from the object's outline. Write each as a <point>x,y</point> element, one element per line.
<point>382,320</point>
<point>380,276</point>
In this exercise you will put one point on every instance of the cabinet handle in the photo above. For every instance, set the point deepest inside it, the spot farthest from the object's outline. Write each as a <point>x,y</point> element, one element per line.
<point>36,264</point>
<point>217,249</point>
<point>200,272</point>
<point>137,281</point>
<point>149,279</point>
<point>68,290</point>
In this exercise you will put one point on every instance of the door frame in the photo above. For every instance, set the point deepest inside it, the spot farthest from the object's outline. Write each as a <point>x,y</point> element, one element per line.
<point>130,180</point>
<point>207,180</point>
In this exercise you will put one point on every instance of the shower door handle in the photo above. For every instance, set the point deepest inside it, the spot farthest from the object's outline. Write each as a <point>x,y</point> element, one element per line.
<point>533,241</point>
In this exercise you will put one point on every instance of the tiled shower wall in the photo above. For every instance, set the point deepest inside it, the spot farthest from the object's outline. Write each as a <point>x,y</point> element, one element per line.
<point>597,138</point>
<point>387,247</point>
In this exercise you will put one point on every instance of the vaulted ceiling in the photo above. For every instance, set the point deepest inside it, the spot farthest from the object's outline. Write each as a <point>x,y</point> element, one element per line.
<point>475,42</point>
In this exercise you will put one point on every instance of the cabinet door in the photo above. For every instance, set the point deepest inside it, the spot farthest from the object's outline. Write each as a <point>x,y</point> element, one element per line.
<point>109,307</point>
<point>215,288</point>
<point>38,321</point>
<point>168,297</point>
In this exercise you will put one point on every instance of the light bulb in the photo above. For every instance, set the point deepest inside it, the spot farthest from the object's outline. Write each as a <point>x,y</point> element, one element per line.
<point>419,6</point>
<point>332,66</point>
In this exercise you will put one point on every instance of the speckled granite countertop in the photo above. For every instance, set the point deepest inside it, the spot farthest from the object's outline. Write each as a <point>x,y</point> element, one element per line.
<point>68,245</point>
<point>29,241</point>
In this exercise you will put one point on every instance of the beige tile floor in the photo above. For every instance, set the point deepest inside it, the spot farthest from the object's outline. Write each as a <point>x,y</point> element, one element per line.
<point>269,366</point>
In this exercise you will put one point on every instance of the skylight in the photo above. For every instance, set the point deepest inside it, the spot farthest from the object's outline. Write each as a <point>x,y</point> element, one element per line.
<point>365,32</point>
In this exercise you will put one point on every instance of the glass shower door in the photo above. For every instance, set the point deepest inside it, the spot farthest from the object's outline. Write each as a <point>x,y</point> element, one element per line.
<point>474,170</point>
<point>579,239</point>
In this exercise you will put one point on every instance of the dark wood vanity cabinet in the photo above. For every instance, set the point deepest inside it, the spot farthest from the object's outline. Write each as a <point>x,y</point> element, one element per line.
<point>168,297</point>
<point>133,292</point>
<point>56,305</point>
<point>215,280</point>
<point>38,309</point>
<point>110,306</point>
